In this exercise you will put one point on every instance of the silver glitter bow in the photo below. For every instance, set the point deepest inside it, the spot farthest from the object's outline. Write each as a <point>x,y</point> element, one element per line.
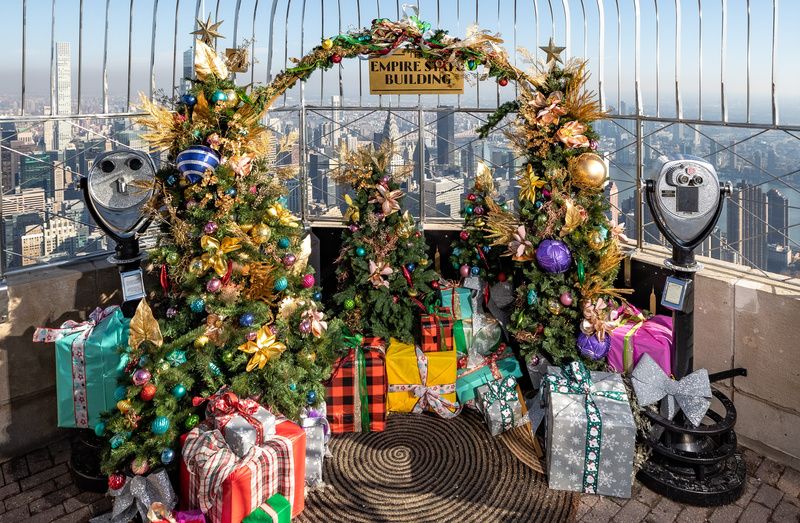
<point>136,496</point>
<point>691,394</point>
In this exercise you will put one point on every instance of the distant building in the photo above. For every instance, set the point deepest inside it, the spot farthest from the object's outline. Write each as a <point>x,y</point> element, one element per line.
<point>777,218</point>
<point>188,70</point>
<point>445,135</point>
<point>63,91</point>
<point>36,170</point>
<point>747,225</point>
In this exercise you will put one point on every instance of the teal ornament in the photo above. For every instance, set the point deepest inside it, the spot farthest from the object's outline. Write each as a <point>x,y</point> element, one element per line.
<point>538,204</point>
<point>504,206</point>
<point>603,232</point>
<point>361,252</point>
<point>219,96</point>
<point>214,368</point>
<point>179,391</point>
<point>456,251</point>
<point>311,397</point>
<point>116,441</point>
<point>284,243</point>
<point>196,134</point>
<point>364,38</point>
<point>120,393</point>
<point>475,270</point>
<point>100,428</point>
<point>532,297</point>
<point>281,284</point>
<point>231,192</point>
<point>317,296</point>
<point>468,209</point>
<point>292,387</point>
<point>172,180</point>
<point>456,265</point>
<point>167,455</point>
<point>160,425</point>
<point>283,200</point>
<point>472,65</point>
<point>176,358</point>
<point>198,305</point>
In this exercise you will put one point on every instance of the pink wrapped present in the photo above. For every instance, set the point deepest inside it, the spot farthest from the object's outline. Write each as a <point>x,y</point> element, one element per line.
<point>636,336</point>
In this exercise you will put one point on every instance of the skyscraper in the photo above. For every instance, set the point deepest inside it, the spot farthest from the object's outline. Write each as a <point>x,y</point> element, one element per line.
<point>188,70</point>
<point>63,88</point>
<point>445,135</point>
<point>777,218</point>
<point>747,225</point>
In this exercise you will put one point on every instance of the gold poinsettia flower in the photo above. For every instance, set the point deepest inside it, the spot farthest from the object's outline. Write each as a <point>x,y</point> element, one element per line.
<point>387,199</point>
<point>263,348</point>
<point>574,217</point>
<point>376,273</point>
<point>528,183</point>
<point>548,110</point>
<point>571,134</point>
<point>215,256</point>
<point>352,214</point>
<point>283,215</point>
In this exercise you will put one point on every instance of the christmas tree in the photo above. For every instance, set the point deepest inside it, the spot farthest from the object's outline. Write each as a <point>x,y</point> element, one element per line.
<point>238,305</point>
<point>472,253</point>
<point>566,250</point>
<point>383,268</point>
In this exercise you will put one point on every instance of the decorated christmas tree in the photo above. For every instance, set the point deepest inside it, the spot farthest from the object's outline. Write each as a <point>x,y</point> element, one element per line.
<point>472,252</point>
<point>567,251</point>
<point>238,305</point>
<point>383,268</point>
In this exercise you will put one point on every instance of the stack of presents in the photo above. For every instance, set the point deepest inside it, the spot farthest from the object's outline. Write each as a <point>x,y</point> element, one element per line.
<point>245,463</point>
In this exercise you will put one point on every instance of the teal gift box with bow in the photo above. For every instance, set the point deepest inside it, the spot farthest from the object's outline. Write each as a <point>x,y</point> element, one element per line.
<point>90,358</point>
<point>591,434</point>
<point>458,300</point>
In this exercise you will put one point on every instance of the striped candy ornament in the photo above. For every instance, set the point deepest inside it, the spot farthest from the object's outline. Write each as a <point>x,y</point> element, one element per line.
<point>195,161</point>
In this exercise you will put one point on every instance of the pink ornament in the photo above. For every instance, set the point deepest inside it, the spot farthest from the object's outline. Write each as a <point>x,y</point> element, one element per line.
<point>140,377</point>
<point>308,281</point>
<point>305,326</point>
<point>463,235</point>
<point>140,467</point>
<point>251,336</point>
<point>191,204</point>
<point>546,193</point>
<point>566,299</point>
<point>253,190</point>
<point>214,285</point>
<point>464,271</point>
<point>210,228</point>
<point>172,312</point>
<point>289,260</point>
<point>471,197</point>
<point>478,210</point>
<point>353,227</point>
<point>593,145</point>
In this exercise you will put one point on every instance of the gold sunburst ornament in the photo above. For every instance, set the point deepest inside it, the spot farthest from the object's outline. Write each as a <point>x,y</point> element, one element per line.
<point>207,31</point>
<point>263,348</point>
<point>528,183</point>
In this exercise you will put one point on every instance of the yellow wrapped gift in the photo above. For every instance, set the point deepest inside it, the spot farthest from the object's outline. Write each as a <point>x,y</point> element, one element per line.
<point>420,381</point>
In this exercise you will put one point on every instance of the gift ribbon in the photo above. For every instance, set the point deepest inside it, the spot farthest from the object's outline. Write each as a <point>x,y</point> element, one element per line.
<point>78,352</point>
<point>215,256</point>
<point>137,495</point>
<point>459,335</point>
<point>430,397</point>
<point>577,380</point>
<point>627,344</point>
<point>504,392</point>
<point>224,405</point>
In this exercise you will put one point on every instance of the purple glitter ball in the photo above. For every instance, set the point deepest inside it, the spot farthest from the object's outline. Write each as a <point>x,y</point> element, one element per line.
<point>385,180</point>
<point>289,260</point>
<point>210,228</point>
<point>591,347</point>
<point>546,193</point>
<point>252,335</point>
<point>353,227</point>
<point>553,256</point>
<point>172,312</point>
<point>305,326</point>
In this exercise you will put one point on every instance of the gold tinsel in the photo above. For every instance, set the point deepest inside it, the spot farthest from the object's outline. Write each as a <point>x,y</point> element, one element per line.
<point>500,224</point>
<point>262,283</point>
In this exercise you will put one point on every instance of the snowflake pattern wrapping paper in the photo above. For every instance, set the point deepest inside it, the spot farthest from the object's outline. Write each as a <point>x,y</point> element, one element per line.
<point>575,453</point>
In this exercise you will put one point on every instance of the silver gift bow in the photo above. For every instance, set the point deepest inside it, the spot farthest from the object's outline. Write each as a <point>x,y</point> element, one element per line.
<point>691,394</point>
<point>136,496</point>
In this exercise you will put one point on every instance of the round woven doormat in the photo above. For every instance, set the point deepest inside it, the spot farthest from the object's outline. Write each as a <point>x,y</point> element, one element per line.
<point>426,469</point>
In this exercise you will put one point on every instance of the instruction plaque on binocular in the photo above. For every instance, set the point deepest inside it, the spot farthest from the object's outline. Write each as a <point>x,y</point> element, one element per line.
<point>405,72</point>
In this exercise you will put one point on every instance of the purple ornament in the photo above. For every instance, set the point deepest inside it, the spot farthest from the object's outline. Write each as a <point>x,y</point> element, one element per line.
<point>210,228</point>
<point>140,377</point>
<point>464,271</point>
<point>553,256</point>
<point>172,312</point>
<point>593,145</point>
<point>191,204</point>
<point>385,180</point>
<point>214,285</point>
<point>546,193</point>
<point>308,281</point>
<point>252,335</point>
<point>353,227</point>
<point>478,210</point>
<point>289,260</point>
<point>305,326</point>
<point>591,347</point>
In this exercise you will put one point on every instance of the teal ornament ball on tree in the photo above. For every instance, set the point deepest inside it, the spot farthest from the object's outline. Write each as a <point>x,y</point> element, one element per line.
<point>284,243</point>
<point>99,428</point>
<point>179,391</point>
<point>198,305</point>
<point>160,425</point>
<point>281,284</point>
<point>361,252</point>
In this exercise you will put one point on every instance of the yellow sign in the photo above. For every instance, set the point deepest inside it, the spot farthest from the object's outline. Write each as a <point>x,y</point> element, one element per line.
<point>404,72</point>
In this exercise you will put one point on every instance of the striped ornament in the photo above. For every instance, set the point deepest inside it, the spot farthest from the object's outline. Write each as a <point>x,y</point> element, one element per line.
<point>194,161</point>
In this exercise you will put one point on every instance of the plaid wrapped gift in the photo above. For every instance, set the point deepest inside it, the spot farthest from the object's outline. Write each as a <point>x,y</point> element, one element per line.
<point>356,392</point>
<point>226,487</point>
<point>437,330</point>
<point>420,381</point>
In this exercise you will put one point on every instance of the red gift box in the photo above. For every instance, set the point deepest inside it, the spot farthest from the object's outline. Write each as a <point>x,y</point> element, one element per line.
<point>345,398</point>
<point>238,486</point>
<point>437,331</point>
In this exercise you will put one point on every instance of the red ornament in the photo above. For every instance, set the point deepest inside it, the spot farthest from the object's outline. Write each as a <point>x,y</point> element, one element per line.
<point>463,235</point>
<point>336,58</point>
<point>417,234</point>
<point>502,277</point>
<point>503,82</point>
<point>435,285</point>
<point>395,299</point>
<point>308,281</point>
<point>539,328</point>
<point>148,392</point>
<point>471,197</point>
<point>116,481</point>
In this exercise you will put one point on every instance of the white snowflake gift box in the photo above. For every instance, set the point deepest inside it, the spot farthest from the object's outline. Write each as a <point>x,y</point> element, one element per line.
<point>591,434</point>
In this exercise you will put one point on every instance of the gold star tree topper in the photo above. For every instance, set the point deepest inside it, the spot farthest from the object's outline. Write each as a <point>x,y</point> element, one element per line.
<point>553,52</point>
<point>207,31</point>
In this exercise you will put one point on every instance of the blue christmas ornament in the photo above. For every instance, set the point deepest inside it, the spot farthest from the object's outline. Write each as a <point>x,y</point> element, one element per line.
<point>246,319</point>
<point>311,397</point>
<point>283,243</point>
<point>100,428</point>
<point>486,249</point>
<point>411,267</point>
<point>292,386</point>
<point>532,297</point>
<point>198,305</point>
<point>120,392</point>
<point>456,251</point>
<point>176,358</point>
<point>172,180</point>
<point>475,270</point>
<point>361,252</point>
<point>143,359</point>
<point>116,441</point>
<point>179,391</point>
<point>160,425</point>
<point>230,192</point>
<point>195,161</point>
<point>281,284</point>
<point>538,204</point>
<point>167,455</point>
<point>219,96</point>
<point>189,99</point>
<point>317,296</point>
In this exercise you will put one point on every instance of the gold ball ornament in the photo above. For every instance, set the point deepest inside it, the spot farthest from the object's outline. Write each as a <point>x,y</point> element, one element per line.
<point>554,307</point>
<point>589,171</point>
<point>201,342</point>
<point>232,99</point>
<point>596,241</point>
<point>124,406</point>
<point>262,233</point>
<point>327,44</point>
<point>196,266</point>
<point>412,292</point>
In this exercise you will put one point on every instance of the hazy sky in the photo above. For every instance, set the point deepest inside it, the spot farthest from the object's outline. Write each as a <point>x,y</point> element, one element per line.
<point>322,18</point>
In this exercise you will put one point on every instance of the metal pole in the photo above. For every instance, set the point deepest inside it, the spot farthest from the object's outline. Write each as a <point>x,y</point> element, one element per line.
<point>639,181</point>
<point>421,160</point>
<point>302,168</point>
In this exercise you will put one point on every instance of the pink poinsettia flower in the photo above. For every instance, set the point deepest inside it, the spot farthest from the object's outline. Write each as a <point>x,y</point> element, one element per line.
<point>376,273</point>
<point>241,165</point>
<point>387,199</point>
<point>548,110</point>
<point>213,141</point>
<point>520,247</point>
<point>571,134</point>
<point>618,232</point>
<point>318,325</point>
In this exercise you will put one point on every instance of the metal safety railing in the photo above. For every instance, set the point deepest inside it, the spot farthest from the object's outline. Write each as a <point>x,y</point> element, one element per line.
<point>689,76</point>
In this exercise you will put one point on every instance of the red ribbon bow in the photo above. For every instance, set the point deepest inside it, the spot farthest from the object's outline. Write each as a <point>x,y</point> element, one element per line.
<point>491,361</point>
<point>224,405</point>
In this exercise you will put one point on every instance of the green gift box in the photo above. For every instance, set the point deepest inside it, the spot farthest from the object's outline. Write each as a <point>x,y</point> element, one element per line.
<point>499,365</point>
<point>89,362</point>
<point>277,509</point>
